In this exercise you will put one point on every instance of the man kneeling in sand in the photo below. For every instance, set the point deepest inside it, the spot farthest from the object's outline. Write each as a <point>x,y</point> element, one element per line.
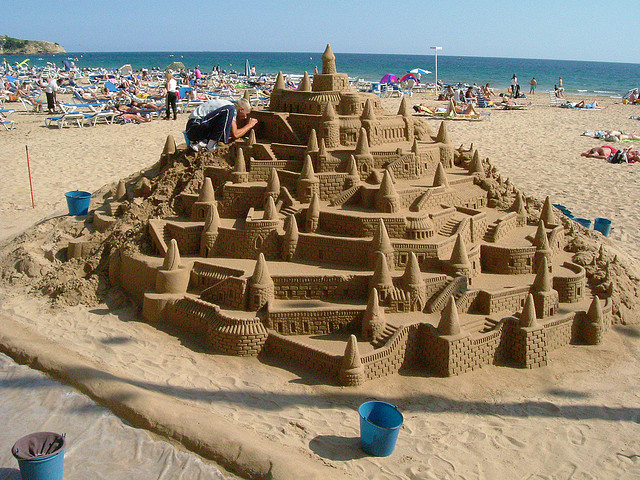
<point>217,121</point>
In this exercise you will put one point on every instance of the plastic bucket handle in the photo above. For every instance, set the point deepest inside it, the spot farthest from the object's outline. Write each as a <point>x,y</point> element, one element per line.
<point>380,424</point>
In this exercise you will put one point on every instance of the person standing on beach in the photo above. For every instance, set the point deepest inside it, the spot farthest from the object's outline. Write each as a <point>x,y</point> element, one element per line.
<point>533,84</point>
<point>217,121</point>
<point>561,86</point>
<point>172,95</point>
<point>50,90</point>
<point>514,86</point>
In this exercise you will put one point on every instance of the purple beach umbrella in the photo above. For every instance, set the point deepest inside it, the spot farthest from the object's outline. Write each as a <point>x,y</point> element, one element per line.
<point>389,78</point>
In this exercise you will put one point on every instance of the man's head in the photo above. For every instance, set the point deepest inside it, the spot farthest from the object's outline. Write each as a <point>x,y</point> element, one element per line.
<point>243,107</point>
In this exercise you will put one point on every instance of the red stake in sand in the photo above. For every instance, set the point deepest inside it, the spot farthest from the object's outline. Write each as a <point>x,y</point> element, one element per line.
<point>33,203</point>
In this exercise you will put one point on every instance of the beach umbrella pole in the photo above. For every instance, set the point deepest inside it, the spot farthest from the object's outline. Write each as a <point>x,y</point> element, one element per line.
<point>33,203</point>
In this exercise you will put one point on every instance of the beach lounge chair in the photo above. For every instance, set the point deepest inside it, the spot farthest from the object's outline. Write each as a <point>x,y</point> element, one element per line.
<point>106,117</point>
<point>73,107</point>
<point>7,124</point>
<point>554,100</point>
<point>66,119</point>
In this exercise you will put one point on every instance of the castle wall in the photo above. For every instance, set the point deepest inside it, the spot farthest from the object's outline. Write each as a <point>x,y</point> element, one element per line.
<point>343,251</point>
<point>296,353</point>
<point>559,332</point>
<point>238,199</point>
<point>137,275</point>
<point>401,349</point>
<point>527,347</point>
<point>230,293</point>
<point>314,321</point>
<point>248,243</point>
<point>187,237</point>
<point>354,226</point>
<point>571,288</point>
<point>327,288</point>
<point>331,184</point>
<point>507,260</point>
<point>510,300</point>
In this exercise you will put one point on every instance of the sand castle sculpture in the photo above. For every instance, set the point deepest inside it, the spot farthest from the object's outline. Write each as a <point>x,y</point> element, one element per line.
<point>353,242</point>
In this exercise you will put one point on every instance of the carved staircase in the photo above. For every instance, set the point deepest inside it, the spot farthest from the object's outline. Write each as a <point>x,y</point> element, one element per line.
<point>387,333</point>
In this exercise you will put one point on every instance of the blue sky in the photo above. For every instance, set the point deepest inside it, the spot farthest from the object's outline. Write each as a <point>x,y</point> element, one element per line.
<point>522,29</point>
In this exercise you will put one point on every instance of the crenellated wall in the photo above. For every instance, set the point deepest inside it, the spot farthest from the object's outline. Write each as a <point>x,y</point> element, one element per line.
<point>314,321</point>
<point>322,287</point>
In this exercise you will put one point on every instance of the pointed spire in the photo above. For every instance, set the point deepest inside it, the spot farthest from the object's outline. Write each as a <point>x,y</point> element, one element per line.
<point>367,112</point>
<point>381,241</point>
<point>362,147</point>
<point>459,255</point>
<point>305,83</point>
<point>381,275</point>
<point>373,318</point>
<point>273,182</point>
<point>443,135</point>
<point>387,189</point>
<point>312,144</point>
<point>415,148</point>
<point>172,257</point>
<point>252,138</point>
<point>329,113</point>
<point>169,146</point>
<point>352,167</point>
<point>279,82</point>
<point>594,314</point>
<point>261,274</point>
<point>240,165</point>
<point>547,215</point>
<point>121,191</point>
<point>212,220</point>
<point>518,205</point>
<point>328,61</point>
<point>412,275</point>
<point>322,152</point>
<point>476,164</point>
<point>528,315</point>
<point>541,241</point>
<point>291,229</point>
<point>449,322</point>
<point>440,178</point>
<point>246,95</point>
<point>351,358</point>
<point>307,172</point>
<point>313,212</point>
<point>206,192</point>
<point>270,210</point>
<point>543,280</point>
<point>404,108</point>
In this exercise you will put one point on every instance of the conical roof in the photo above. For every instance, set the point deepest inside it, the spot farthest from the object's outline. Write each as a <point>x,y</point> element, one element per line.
<point>387,189</point>
<point>329,113</point>
<point>381,275</point>
<point>169,146</point>
<point>270,211</point>
<point>172,257</point>
<point>518,205</point>
<point>322,152</point>
<point>543,280</point>
<point>291,229</point>
<point>121,191</point>
<point>328,61</point>
<point>240,165</point>
<point>362,147</point>
<point>206,192</point>
<point>373,314</point>
<point>367,111</point>
<point>459,255</point>
<point>443,135</point>
<point>594,314</point>
<point>449,322</point>
<point>414,147</point>
<point>476,164</point>
<point>381,241</point>
<point>352,167</point>
<point>547,215</point>
<point>252,138</point>
<point>540,240</point>
<point>307,172</point>
<point>351,357</point>
<point>314,207</point>
<point>312,144</point>
<point>440,178</point>
<point>305,83</point>
<point>404,108</point>
<point>528,315</point>
<point>246,95</point>
<point>412,275</point>
<point>273,182</point>
<point>261,274</point>
<point>212,219</point>
<point>279,85</point>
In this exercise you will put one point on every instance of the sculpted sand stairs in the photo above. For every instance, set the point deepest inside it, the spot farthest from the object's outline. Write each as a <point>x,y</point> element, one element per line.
<point>457,287</point>
<point>449,228</point>
<point>344,196</point>
<point>384,337</point>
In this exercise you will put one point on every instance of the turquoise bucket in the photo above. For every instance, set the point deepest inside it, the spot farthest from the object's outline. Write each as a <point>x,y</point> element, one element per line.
<point>603,225</point>
<point>585,222</point>
<point>46,467</point>
<point>380,424</point>
<point>78,202</point>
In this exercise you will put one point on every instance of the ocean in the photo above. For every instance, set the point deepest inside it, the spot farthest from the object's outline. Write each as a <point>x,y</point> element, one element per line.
<point>586,78</point>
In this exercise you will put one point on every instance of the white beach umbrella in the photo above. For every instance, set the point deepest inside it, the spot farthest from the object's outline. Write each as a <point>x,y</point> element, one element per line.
<point>421,71</point>
<point>125,70</point>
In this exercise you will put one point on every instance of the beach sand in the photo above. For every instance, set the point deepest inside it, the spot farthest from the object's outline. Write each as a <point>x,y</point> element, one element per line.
<point>577,418</point>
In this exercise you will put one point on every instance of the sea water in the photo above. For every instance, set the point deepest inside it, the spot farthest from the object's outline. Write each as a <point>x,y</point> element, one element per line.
<point>585,78</point>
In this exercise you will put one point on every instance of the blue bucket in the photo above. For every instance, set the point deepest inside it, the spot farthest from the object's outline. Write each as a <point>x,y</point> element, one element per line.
<point>603,225</point>
<point>47,467</point>
<point>380,424</point>
<point>78,202</point>
<point>585,222</point>
<point>186,139</point>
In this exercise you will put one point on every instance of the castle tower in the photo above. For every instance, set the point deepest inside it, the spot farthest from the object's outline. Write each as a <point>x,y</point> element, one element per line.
<point>121,192</point>
<point>387,199</point>
<point>373,318</point>
<point>270,210</point>
<point>307,184</point>
<point>459,260</point>
<point>323,158</point>
<point>273,185</point>
<point>547,215</point>
<point>251,140</point>
<point>247,96</point>
<point>543,250</point>
<point>449,322</point>
<point>205,200</point>
<point>209,232</point>
<point>169,146</point>
<point>528,315</point>
<point>290,240</point>
<point>476,164</point>
<point>305,83</point>
<point>330,127</point>
<point>313,214</point>
<point>413,282</point>
<point>353,177</point>
<point>369,121</point>
<point>279,85</point>
<point>261,287</point>
<point>381,278</point>
<point>363,156</point>
<point>328,61</point>
<point>172,277</point>
<point>544,296</point>
<point>275,100</point>
<point>381,243</point>
<point>519,206</point>
<point>593,327</point>
<point>240,174</point>
<point>312,144</point>
<point>440,178</point>
<point>405,112</point>
<point>443,134</point>
<point>351,370</point>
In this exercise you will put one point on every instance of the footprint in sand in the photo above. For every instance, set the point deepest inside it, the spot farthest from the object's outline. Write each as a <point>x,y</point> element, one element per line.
<point>576,436</point>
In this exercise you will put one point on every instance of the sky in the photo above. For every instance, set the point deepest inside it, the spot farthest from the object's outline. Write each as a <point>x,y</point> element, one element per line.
<point>561,30</point>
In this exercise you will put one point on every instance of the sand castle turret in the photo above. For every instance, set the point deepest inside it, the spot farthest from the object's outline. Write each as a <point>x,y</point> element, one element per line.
<point>247,96</point>
<point>313,214</point>
<point>330,127</point>
<point>381,243</point>
<point>593,327</point>
<point>307,184</point>
<point>373,318</point>
<point>209,232</point>
<point>404,109</point>
<point>362,154</point>
<point>290,241</point>
<point>544,296</point>
<point>413,282</point>
<point>270,210</point>
<point>351,370</point>
<point>518,205</point>
<point>121,192</point>
<point>547,215</point>
<point>353,177</point>
<point>476,164</point>
<point>323,157</point>
<point>440,177</point>
<point>443,134</point>
<point>205,200</point>
<point>459,260</point>
<point>261,287</point>
<point>387,199</point>
<point>273,184</point>
<point>369,121</point>
<point>239,174</point>
<point>305,83</point>
<point>169,146</point>
<point>528,315</point>
<point>172,277</point>
<point>328,61</point>
<point>381,278</point>
<point>312,143</point>
<point>251,140</point>
<point>449,321</point>
<point>279,84</point>
<point>543,250</point>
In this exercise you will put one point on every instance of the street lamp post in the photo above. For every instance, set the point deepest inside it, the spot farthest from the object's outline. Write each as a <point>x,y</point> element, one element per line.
<point>436,52</point>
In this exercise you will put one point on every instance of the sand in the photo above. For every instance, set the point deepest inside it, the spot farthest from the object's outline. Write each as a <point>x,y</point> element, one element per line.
<point>577,418</point>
